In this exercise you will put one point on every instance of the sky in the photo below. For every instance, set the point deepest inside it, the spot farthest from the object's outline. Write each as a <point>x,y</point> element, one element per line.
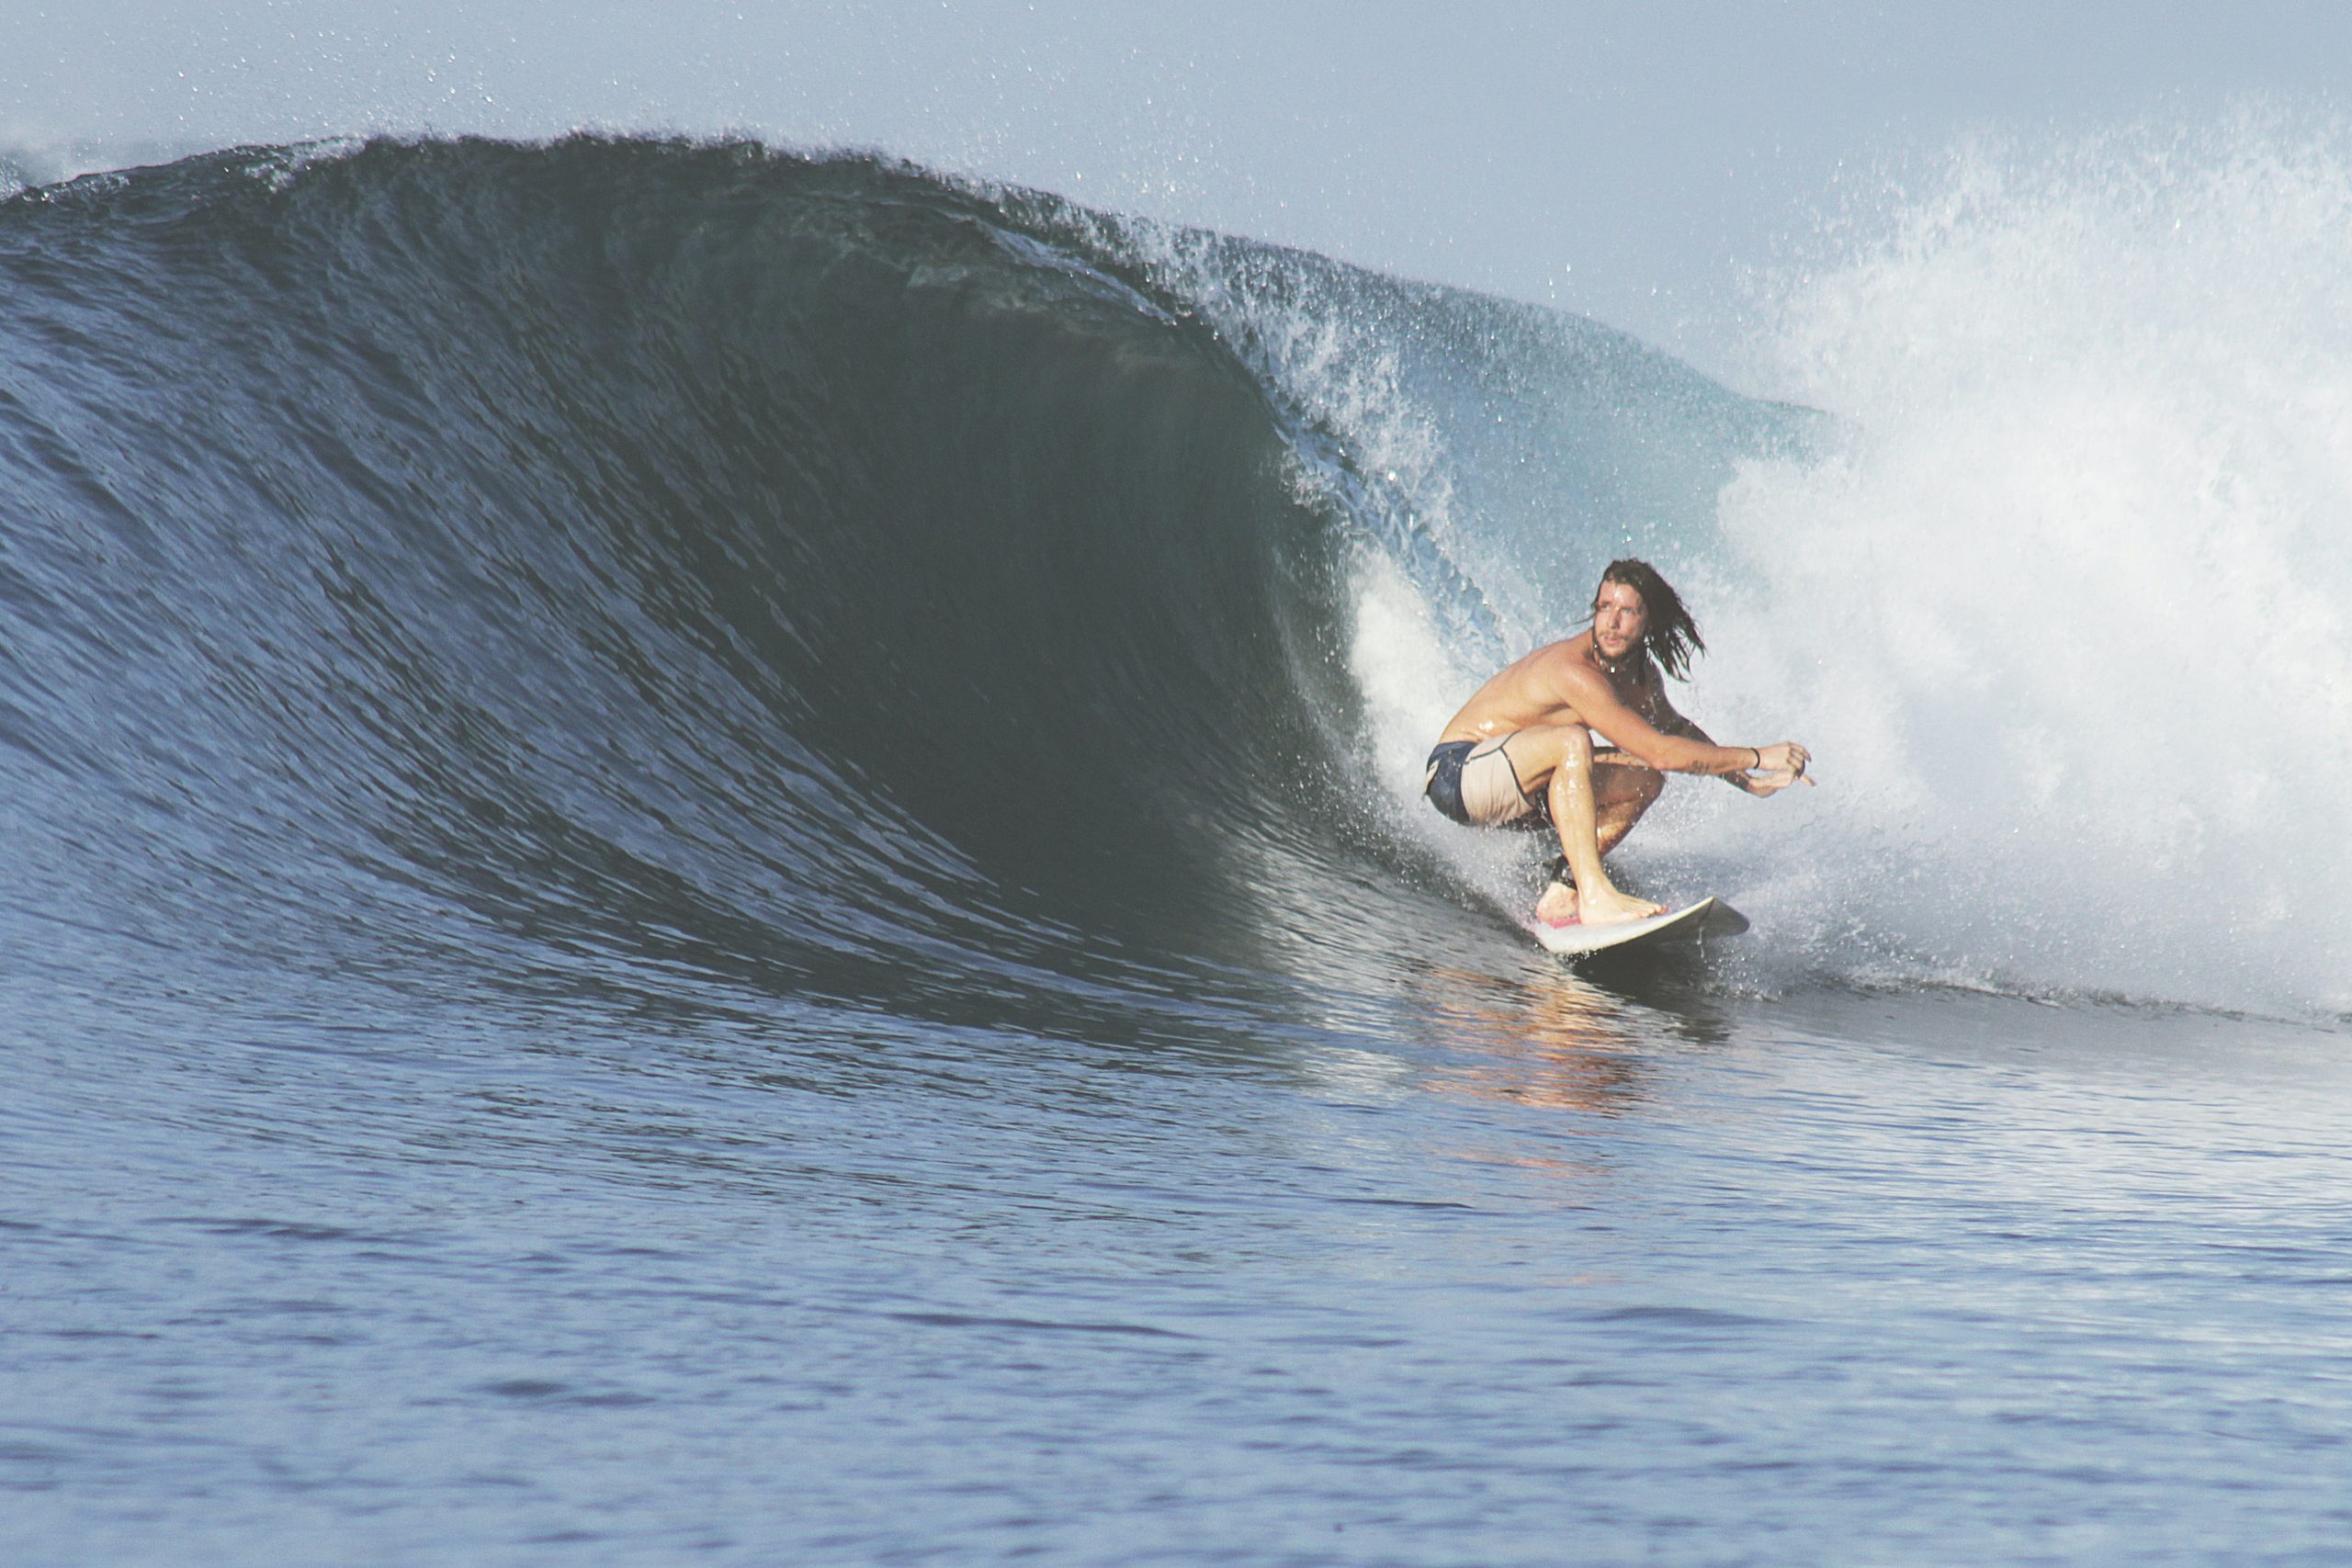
<point>1640,164</point>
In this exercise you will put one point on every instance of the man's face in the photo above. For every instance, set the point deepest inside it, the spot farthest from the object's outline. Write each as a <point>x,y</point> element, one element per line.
<point>1619,620</point>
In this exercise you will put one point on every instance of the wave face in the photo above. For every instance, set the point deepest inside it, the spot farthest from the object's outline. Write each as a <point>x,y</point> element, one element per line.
<point>647,564</point>
<point>659,567</point>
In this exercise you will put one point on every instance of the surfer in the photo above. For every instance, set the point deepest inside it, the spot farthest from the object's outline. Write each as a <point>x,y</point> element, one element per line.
<point>1578,736</point>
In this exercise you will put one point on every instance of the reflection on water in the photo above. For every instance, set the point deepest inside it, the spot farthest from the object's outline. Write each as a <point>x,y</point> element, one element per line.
<point>1548,1037</point>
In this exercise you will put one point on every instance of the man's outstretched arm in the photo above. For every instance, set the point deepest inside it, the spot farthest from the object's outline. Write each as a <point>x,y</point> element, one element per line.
<point>1677,725</point>
<point>1588,694</point>
<point>1776,766</point>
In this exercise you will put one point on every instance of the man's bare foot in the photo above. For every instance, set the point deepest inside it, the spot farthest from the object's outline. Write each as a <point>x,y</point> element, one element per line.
<point>1558,905</point>
<point>1601,909</point>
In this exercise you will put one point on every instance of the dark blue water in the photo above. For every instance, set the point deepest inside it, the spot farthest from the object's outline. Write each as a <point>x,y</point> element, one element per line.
<point>701,867</point>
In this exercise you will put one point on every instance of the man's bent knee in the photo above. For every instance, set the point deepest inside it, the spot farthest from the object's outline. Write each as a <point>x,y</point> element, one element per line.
<point>1560,746</point>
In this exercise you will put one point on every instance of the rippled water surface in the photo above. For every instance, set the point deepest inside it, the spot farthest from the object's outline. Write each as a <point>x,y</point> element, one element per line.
<point>1549,1273</point>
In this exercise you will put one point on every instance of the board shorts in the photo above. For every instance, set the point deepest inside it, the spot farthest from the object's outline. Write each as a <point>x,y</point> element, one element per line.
<point>1474,782</point>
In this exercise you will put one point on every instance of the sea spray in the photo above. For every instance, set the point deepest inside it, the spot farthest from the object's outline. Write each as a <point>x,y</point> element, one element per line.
<point>2064,618</point>
<point>2040,548</point>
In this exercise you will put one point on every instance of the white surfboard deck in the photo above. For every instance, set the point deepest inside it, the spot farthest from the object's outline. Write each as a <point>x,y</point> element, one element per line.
<point>1708,916</point>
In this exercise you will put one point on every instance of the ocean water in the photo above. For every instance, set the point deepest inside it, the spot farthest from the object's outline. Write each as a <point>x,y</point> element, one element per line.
<point>712,857</point>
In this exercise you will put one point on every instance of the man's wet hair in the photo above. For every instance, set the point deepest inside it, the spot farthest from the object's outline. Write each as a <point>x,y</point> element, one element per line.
<point>1673,636</point>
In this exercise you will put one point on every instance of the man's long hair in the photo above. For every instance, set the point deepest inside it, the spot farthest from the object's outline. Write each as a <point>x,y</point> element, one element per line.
<point>1673,636</point>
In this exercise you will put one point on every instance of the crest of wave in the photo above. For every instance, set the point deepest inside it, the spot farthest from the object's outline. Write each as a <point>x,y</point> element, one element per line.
<point>2067,617</point>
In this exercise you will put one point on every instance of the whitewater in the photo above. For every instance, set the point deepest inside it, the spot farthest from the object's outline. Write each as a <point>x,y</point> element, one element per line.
<point>715,855</point>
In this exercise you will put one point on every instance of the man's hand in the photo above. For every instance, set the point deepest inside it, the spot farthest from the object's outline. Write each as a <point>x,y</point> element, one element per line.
<point>1784,763</point>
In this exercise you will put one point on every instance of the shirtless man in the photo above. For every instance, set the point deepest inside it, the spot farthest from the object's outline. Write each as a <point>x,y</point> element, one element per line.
<point>1521,754</point>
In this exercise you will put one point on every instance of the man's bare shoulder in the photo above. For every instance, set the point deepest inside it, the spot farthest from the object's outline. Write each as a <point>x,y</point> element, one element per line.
<point>1561,679</point>
<point>1567,664</point>
<point>1542,686</point>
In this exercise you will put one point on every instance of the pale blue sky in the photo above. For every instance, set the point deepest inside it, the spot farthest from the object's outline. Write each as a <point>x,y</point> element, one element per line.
<point>1627,161</point>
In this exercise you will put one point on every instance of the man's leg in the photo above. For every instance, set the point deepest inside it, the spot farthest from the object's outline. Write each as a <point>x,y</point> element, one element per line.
<point>1622,789</point>
<point>1558,760</point>
<point>1576,808</point>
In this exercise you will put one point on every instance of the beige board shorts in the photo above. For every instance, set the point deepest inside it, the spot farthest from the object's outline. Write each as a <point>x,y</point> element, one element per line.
<point>1474,782</point>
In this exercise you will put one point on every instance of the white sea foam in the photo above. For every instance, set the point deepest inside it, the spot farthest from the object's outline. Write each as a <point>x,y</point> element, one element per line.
<point>2062,610</point>
<point>1412,678</point>
<point>2065,620</point>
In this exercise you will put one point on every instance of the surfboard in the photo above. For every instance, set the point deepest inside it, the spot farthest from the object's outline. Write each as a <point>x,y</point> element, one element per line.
<point>1708,916</point>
